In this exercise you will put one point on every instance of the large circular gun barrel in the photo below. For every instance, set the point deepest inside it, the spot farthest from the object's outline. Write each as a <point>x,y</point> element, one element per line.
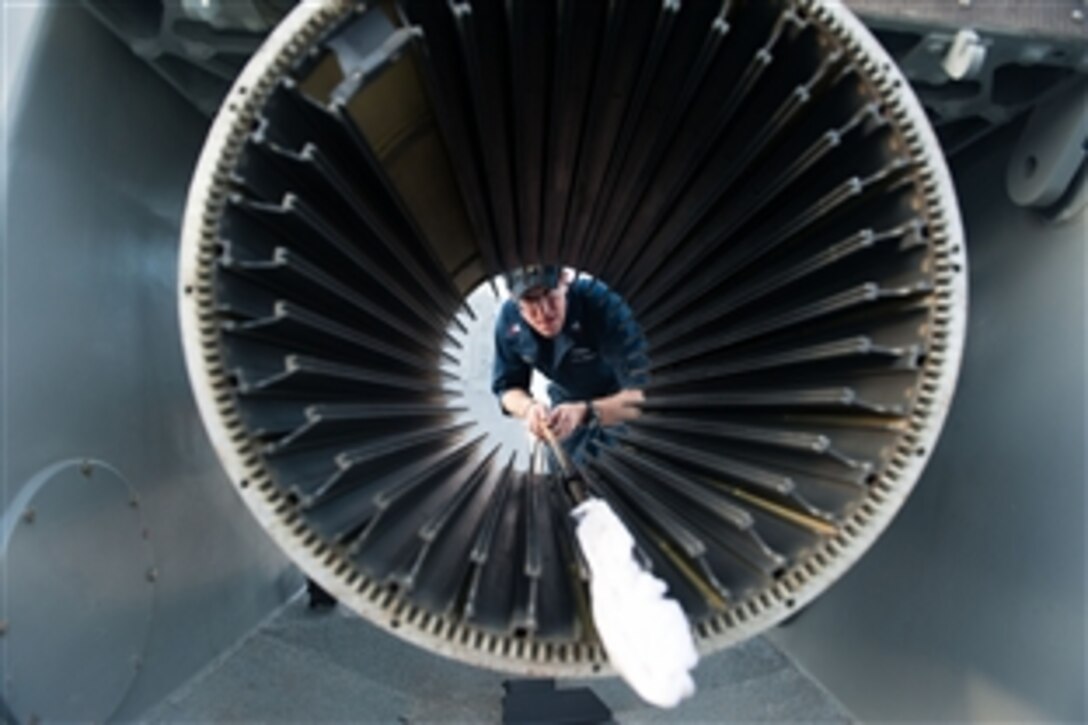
<point>754,177</point>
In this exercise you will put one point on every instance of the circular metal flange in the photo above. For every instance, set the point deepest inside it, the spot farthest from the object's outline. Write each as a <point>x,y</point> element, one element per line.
<point>76,592</point>
<point>919,165</point>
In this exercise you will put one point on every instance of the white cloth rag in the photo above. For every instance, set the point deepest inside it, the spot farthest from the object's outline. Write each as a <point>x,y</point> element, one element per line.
<point>645,633</point>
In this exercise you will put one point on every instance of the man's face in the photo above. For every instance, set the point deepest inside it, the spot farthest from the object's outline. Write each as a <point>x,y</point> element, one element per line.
<point>545,310</point>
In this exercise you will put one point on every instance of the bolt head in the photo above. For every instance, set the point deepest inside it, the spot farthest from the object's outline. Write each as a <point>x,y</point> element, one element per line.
<point>1078,15</point>
<point>29,516</point>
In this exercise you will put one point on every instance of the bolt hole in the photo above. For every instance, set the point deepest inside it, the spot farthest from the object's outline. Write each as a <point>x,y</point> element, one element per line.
<point>921,451</point>
<point>520,633</point>
<point>790,604</point>
<point>232,380</point>
<point>957,268</point>
<point>1031,164</point>
<point>596,668</point>
<point>188,289</point>
<point>395,624</point>
<point>872,478</point>
<point>244,483</point>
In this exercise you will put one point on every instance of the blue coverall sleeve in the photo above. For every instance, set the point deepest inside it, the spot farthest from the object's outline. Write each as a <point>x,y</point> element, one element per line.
<point>623,345</point>
<point>508,370</point>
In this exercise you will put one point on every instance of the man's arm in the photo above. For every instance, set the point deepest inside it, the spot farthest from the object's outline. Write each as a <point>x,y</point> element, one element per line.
<point>620,341</point>
<point>609,410</point>
<point>518,403</point>
<point>624,347</point>
<point>509,372</point>
<point>510,377</point>
<point>618,408</point>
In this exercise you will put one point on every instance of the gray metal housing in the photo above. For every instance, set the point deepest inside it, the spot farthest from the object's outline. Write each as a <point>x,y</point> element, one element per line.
<point>97,155</point>
<point>972,607</point>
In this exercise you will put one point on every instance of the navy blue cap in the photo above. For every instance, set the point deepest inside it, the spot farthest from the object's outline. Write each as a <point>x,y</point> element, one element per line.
<point>523,279</point>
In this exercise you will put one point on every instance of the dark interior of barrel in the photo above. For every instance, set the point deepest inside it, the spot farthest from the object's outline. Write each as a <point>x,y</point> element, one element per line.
<point>727,167</point>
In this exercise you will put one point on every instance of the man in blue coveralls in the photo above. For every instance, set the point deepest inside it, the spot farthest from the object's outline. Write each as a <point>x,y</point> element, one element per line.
<point>582,336</point>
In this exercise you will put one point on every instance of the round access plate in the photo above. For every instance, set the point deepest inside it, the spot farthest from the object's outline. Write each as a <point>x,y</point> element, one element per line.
<point>76,593</point>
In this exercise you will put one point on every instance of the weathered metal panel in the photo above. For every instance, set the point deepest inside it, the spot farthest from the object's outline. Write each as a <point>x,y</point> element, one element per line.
<point>972,607</point>
<point>97,159</point>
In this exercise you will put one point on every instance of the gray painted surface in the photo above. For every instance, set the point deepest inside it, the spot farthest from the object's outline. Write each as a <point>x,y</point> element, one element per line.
<point>97,160</point>
<point>79,569</point>
<point>972,605</point>
<point>306,666</point>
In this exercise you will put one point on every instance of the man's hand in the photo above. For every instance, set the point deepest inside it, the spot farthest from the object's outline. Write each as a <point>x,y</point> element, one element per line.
<point>565,418</point>
<point>536,419</point>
